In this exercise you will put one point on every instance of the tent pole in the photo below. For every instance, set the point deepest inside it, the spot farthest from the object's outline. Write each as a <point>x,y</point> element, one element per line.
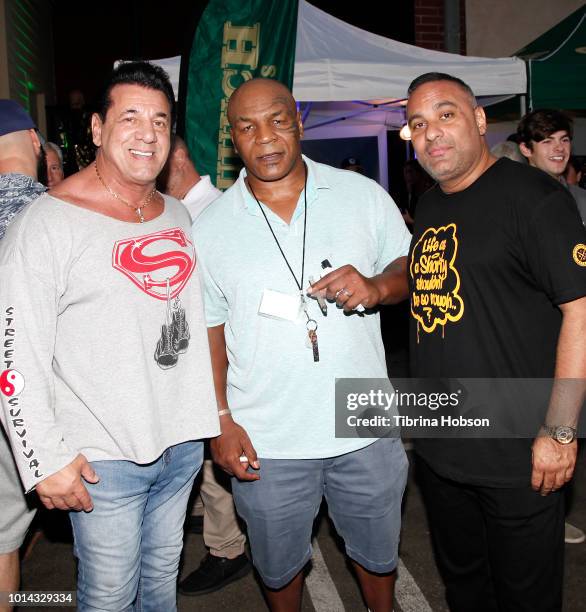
<point>529,86</point>
<point>523,104</point>
<point>452,34</point>
<point>306,112</point>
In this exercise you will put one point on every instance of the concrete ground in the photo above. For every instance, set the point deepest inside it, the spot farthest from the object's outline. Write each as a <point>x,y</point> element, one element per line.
<point>331,586</point>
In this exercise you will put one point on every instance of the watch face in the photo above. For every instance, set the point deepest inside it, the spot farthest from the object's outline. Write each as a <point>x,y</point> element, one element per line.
<point>564,434</point>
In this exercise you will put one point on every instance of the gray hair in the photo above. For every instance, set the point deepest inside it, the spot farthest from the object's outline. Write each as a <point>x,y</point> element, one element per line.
<point>56,149</point>
<point>508,149</point>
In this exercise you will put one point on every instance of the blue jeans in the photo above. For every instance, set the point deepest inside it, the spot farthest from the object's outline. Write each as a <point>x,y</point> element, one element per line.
<point>128,547</point>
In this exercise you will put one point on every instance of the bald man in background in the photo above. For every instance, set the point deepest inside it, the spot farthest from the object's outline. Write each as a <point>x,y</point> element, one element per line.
<point>181,180</point>
<point>20,159</point>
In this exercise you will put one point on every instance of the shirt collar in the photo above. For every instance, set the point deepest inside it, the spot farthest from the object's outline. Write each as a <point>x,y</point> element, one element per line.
<point>201,185</point>
<point>315,181</point>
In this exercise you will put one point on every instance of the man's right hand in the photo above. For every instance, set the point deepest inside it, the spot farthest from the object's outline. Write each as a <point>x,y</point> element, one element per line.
<point>65,489</point>
<point>232,444</point>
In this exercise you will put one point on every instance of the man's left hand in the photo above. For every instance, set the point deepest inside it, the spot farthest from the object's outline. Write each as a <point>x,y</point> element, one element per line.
<point>348,288</point>
<point>553,464</point>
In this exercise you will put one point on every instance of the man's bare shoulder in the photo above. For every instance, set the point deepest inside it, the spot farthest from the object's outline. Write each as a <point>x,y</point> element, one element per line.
<point>76,189</point>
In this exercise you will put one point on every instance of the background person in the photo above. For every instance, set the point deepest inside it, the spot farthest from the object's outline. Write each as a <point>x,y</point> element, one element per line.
<point>181,180</point>
<point>353,164</point>
<point>574,170</point>
<point>508,149</point>
<point>545,138</point>
<point>417,182</point>
<point>54,164</point>
<point>20,156</point>
<point>226,560</point>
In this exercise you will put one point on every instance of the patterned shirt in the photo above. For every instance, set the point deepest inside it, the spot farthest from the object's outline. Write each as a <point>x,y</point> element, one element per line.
<point>16,191</point>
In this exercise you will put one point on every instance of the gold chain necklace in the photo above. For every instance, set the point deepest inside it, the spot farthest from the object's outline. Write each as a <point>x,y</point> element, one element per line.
<point>137,209</point>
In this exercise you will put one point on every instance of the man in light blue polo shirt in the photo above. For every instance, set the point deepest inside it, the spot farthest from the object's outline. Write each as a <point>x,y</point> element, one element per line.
<point>276,355</point>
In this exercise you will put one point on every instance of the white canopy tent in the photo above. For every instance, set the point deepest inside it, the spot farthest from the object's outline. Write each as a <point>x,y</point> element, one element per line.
<point>337,61</point>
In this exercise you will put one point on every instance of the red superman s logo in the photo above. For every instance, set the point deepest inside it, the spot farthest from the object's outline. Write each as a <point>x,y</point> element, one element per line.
<point>148,265</point>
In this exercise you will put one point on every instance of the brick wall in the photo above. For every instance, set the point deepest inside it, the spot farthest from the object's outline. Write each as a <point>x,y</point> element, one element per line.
<point>429,24</point>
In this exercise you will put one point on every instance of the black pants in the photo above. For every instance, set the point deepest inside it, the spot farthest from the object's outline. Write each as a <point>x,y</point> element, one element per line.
<point>496,549</point>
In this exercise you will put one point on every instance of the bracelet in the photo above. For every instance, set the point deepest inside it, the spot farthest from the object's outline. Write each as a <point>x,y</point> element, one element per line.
<point>224,411</point>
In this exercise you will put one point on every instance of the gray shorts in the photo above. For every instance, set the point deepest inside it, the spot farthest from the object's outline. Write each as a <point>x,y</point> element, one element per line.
<point>363,490</point>
<point>15,515</point>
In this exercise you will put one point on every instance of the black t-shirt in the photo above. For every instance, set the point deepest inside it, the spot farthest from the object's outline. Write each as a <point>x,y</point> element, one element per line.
<point>488,266</point>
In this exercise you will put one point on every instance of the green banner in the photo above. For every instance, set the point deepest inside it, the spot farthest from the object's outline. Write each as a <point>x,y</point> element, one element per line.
<point>557,65</point>
<point>236,40</point>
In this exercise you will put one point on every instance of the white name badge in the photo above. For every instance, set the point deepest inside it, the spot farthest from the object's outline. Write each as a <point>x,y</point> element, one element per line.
<point>277,305</point>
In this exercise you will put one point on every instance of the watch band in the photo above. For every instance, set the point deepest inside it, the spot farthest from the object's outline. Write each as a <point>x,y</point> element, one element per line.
<point>563,434</point>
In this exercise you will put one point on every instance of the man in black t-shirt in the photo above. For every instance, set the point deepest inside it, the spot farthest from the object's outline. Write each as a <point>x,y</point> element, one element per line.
<point>508,302</point>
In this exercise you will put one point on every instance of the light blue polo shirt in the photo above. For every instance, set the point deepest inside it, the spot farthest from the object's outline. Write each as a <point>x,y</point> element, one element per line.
<point>284,399</point>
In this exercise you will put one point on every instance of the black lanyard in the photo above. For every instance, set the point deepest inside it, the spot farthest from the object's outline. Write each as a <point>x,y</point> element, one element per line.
<point>299,284</point>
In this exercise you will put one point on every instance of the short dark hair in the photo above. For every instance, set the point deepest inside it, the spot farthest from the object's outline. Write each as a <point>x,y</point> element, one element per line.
<point>144,74</point>
<point>541,124</point>
<point>433,77</point>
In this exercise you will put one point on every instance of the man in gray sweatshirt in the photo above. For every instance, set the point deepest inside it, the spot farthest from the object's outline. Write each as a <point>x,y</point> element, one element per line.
<point>109,389</point>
